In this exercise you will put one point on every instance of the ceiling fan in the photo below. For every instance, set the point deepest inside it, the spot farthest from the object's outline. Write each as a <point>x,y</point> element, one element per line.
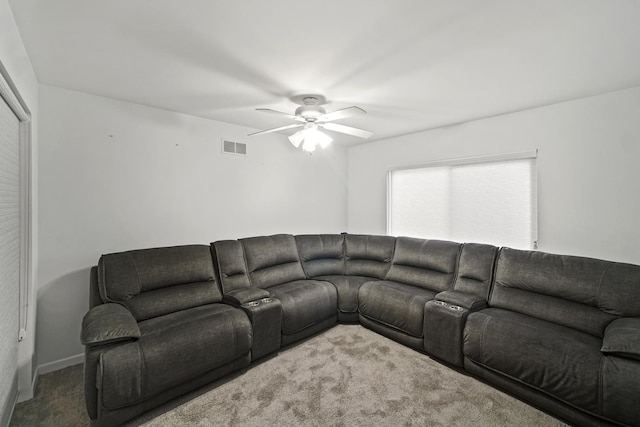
<point>311,116</point>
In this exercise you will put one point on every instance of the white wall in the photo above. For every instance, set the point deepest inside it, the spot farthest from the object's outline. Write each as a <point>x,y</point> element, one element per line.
<point>588,170</point>
<point>116,176</point>
<point>14,59</point>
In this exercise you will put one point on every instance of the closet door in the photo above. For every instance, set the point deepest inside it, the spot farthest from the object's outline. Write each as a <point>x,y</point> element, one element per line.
<point>9,251</point>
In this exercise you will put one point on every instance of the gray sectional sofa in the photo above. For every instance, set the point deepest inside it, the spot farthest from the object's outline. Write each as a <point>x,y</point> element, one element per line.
<point>561,332</point>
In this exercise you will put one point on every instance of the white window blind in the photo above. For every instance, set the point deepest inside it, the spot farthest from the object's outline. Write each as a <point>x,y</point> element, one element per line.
<point>9,250</point>
<point>488,200</point>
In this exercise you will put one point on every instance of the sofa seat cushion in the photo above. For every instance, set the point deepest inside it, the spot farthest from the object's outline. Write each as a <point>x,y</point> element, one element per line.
<point>395,304</point>
<point>305,303</point>
<point>347,287</point>
<point>173,349</point>
<point>554,359</point>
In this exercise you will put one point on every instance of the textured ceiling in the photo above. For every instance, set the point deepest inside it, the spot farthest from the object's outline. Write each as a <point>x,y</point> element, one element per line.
<point>412,64</point>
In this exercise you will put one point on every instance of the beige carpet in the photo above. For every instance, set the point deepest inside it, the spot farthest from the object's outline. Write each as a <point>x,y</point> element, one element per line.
<point>346,376</point>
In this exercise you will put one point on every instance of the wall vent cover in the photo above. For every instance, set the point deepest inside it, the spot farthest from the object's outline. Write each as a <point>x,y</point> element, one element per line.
<point>231,147</point>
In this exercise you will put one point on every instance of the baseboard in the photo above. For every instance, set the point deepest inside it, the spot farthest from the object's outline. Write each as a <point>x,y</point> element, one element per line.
<point>59,364</point>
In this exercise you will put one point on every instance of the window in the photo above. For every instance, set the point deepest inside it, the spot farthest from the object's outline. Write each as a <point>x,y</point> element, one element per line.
<point>486,200</point>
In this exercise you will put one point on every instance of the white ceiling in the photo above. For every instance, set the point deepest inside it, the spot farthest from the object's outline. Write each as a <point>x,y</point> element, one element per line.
<point>412,64</point>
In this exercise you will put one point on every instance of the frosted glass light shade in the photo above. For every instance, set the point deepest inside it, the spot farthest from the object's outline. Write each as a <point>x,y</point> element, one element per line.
<point>310,137</point>
<point>297,138</point>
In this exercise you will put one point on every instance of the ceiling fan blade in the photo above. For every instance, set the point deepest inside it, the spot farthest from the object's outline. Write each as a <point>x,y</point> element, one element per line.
<point>295,125</point>
<point>280,113</point>
<point>341,114</point>
<point>360,133</point>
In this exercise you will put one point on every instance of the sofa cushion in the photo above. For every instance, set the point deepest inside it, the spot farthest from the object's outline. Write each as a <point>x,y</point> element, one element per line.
<point>622,338</point>
<point>154,282</point>
<point>620,379</point>
<point>321,254</point>
<point>395,305</point>
<point>368,256</point>
<point>228,257</point>
<point>557,360</point>
<point>567,290</point>
<point>475,269</point>
<point>305,303</point>
<point>348,287</point>
<point>272,260</point>
<point>429,264</point>
<point>173,349</point>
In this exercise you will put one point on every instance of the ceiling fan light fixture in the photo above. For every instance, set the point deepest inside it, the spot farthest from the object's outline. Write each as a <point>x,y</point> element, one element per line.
<point>312,137</point>
<point>296,138</point>
<point>323,139</point>
<point>311,116</point>
<point>309,145</point>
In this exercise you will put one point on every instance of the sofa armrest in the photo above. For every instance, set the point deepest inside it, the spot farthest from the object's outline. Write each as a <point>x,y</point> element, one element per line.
<point>462,299</point>
<point>622,338</point>
<point>108,323</point>
<point>243,296</point>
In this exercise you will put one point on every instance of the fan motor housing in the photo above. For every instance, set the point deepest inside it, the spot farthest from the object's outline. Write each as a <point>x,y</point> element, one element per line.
<point>310,112</point>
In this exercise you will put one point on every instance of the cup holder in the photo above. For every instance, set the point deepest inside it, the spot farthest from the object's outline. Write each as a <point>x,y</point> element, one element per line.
<point>455,307</point>
<point>266,300</point>
<point>440,303</point>
<point>253,304</point>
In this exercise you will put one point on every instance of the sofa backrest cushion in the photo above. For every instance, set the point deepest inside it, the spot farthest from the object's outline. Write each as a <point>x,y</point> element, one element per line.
<point>581,293</point>
<point>321,254</point>
<point>228,257</point>
<point>368,256</point>
<point>475,269</point>
<point>272,260</point>
<point>158,281</point>
<point>428,264</point>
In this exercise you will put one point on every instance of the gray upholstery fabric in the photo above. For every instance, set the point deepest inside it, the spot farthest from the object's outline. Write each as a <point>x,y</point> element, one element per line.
<point>171,351</point>
<point>619,292</point>
<point>311,330</point>
<point>563,289</point>
<point>462,299</point>
<point>94,291</point>
<point>266,323</point>
<point>549,357</point>
<point>228,256</point>
<point>429,264</point>
<point>243,296</point>
<point>443,329</point>
<point>116,417</point>
<point>622,338</point>
<point>392,333</point>
<point>347,287</point>
<point>126,274</point>
<point>174,298</point>
<point>621,390</point>
<point>395,304</point>
<point>475,269</point>
<point>321,254</point>
<point>154,282</point>
<point>108,323</point>
<point>272,260</point>
<point>368,256</point>
<point>305,303</point>
<point>532,395</point>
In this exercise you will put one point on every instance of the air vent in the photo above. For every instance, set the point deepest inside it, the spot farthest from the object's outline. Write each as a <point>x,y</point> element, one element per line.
<point>231,147</point>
